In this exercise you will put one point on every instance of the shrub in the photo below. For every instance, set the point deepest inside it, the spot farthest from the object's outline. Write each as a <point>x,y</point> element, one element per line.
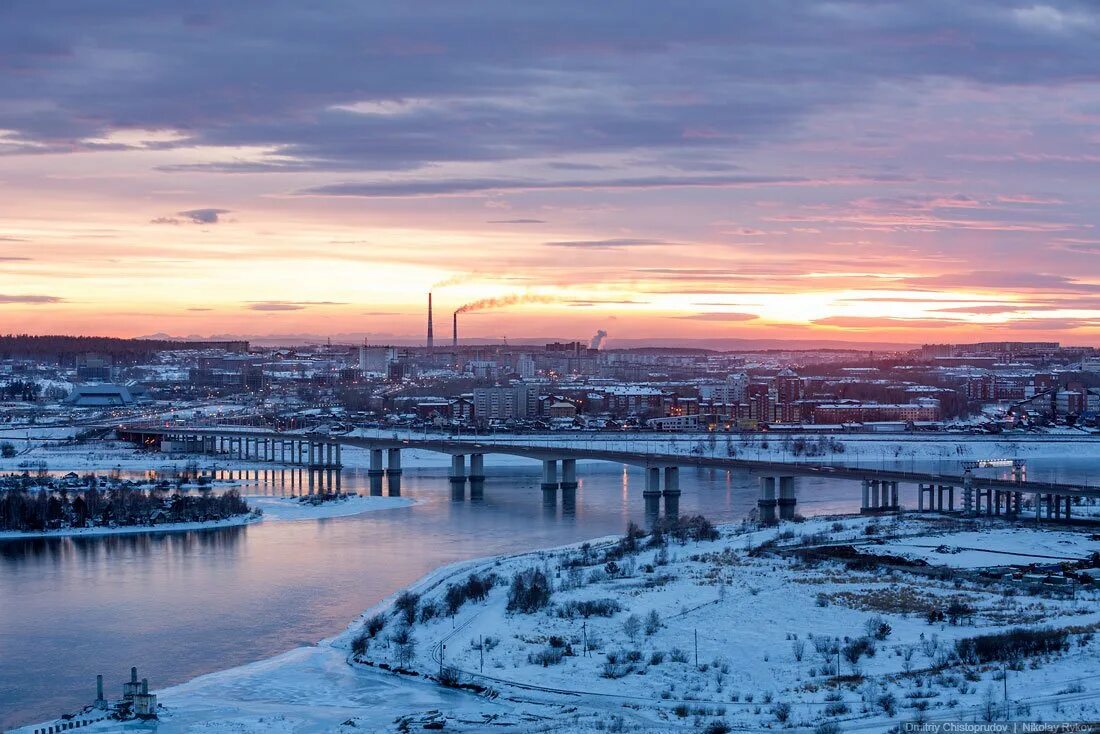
<point>428,610</point>
<point>878,628</point>
<point>677,655</point>
<point>857,648</point>
<point>530,591</point>
<point>717,727</point>
<point>547,656</point>
<point>405,606</point>
<point>1014,643</point>
<point>782,711</point>
<point>450,678</point>
<point>474,588</point>
<point>589,608</point>
<point>631,626</point>
<point>656,658</point>
<point>359,644</point>
<point>652,622</point>
<point>375,625</point>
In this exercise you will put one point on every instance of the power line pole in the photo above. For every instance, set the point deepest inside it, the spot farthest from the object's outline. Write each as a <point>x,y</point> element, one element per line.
<point>696,647</point>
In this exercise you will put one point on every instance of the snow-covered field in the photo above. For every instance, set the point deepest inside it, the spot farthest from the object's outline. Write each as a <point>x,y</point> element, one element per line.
<point>1005,546</point>
<point>741,629</point>
<point>290,509</point>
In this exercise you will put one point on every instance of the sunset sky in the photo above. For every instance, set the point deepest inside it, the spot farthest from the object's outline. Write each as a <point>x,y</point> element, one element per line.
<point>871,171</point>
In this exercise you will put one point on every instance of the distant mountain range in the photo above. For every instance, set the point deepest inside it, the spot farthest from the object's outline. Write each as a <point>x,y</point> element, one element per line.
<point>716,344</point>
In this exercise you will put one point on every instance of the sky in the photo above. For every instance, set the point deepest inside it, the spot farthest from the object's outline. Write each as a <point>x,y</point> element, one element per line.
<point>866,171</point>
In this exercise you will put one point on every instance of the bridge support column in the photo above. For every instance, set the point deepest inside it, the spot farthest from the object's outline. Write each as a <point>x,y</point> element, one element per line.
<point>477,476</point>
<point>786,498</point>
<point>876,494</point>
<point>968,492</point>
<point>866,504</point>
<point>550,475</point>
<point>375,472</point>
<point>1069,506</point>
<point>767,503</point>
<point>339,462</point>
<point>652,494</point>
<point>458,477</point>
<point>895,502</point>
<point>393,472</point>
<point>568,473</point>
<point>477,467</point>
<point>671,492</point>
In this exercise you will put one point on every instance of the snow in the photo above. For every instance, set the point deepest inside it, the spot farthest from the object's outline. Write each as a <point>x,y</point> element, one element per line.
<point>290,509</point>
<point>991,548</point>
<point>170,527</point>
<point>749,600</point>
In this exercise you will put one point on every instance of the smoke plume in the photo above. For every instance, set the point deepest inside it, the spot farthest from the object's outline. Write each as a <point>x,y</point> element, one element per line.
<point>598,339</point>
<point>487,304</point>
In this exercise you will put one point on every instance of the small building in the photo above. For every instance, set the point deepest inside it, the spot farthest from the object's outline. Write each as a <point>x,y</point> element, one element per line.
<point>100,396</point>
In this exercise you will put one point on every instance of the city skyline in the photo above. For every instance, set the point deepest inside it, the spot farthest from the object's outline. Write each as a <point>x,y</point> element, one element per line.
<point>861,171</point>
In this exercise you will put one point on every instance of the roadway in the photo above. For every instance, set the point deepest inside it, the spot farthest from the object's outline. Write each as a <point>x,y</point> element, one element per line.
<point>547,451</point>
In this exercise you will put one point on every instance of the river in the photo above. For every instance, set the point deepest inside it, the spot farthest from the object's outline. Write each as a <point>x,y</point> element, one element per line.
<point>180,605</point>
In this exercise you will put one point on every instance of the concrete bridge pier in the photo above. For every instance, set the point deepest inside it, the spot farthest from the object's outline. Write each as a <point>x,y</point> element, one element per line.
<point>671,492</point>
<point>767,502</point>
<point>550,475</point>
<point>393,472</point>
<point>477,476</point>
<point>947,491</point>
<point>895,501</point>
<point>568,474</point>
<point>968,492</point>
<point>922,490</point>
<point>458,477</point>
<point>652,494</point>
<point>376,472</point>
<point>786,498</point>
<point>865,504</point>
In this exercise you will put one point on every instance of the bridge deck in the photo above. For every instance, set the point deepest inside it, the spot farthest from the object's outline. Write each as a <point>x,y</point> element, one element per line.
<point>636,458</point>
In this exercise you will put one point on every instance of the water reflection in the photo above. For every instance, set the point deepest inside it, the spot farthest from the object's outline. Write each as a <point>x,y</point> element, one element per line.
<point>179,605</point>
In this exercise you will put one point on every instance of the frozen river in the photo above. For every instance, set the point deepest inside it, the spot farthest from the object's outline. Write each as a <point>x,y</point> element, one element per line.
<point>179,605</point>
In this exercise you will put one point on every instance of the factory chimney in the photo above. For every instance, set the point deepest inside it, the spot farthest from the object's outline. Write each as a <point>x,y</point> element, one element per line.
<point>454,337</point>
<point>431,338</point>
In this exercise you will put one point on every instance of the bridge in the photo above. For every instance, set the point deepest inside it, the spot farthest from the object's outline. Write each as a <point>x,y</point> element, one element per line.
<point>321,451</point>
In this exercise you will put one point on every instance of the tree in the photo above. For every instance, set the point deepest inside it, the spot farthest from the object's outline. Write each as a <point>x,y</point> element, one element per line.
<point>652,622</point>
<point>631,626</point>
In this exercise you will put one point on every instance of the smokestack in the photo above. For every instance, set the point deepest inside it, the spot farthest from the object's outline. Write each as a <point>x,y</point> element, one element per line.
<point>99,688</point>
<point>145,686</point>
<point>454,337</point>
<point>431,338</point>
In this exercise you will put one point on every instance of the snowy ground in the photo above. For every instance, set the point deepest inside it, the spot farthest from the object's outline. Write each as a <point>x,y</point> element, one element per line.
<point>287,508</point>
<point>171,527</point>
<point>765,621</point>
<point>1006,546</point>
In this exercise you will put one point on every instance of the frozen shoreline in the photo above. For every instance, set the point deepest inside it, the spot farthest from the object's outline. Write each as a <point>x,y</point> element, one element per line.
<point>275,509</point>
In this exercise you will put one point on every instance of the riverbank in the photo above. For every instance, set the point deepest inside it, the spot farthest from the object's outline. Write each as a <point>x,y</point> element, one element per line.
<point>272,509</point>
<point>769,620</point>
<point>169,527</point>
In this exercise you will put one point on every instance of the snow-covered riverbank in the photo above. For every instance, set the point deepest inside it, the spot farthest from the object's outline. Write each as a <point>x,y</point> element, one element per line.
<point>614,644</point>
<point>168,527</point>
<point>274,509</point>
